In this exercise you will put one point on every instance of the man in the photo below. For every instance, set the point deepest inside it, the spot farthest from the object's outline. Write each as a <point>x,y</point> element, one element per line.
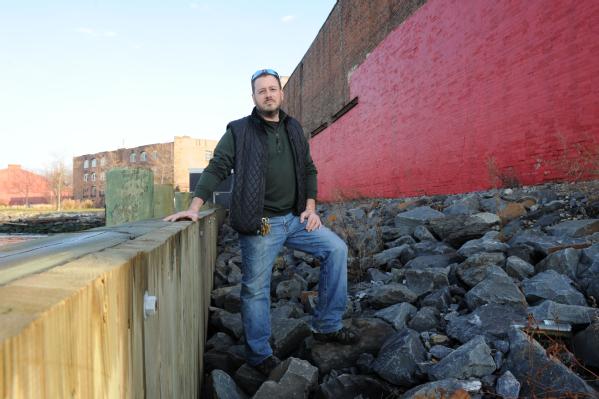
<point>274,204</point>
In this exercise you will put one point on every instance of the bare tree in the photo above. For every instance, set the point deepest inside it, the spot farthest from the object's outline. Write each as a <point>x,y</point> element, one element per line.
<point>60,178</point>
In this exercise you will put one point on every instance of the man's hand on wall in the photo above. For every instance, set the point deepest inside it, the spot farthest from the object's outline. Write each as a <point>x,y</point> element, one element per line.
<point>183,215</point>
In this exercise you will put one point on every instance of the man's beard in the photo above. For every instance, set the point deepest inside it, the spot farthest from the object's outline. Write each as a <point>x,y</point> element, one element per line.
<point>269,113</point>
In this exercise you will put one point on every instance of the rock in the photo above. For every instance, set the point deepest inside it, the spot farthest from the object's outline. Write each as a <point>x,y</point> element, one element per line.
<point>447,388</point>
<point>350,386</point>
<point>364,363</point>
<point>287,310</point>
<point>430,261</point>
<point>289,289</point>
<point>440,299</point>
<point>564,262</point>
<point>218,295</point>
<point>327,356</point>
<point>541,243</point>
<point>472,359</point>
<point>293,378</point>
<point>571,314</point>
<point>518,268</point>
<point>554,286</point>
<point>540,375</point>
<point>249,379</point>
<point>392,233</point>
<point>464,206</point>
<point>227,322</point>
<point>575,228</point>
<point>421,233</point>
<point>440,351</point>
<point>227,359</point>
<point>398,356</point>
<point>423,281</point>
<point>511,211</point>
<point>287,335</point>
<point>482,245</point>
<point>492,321</point>
<point>457,229</point>
<point>310,274</point>
<point>426,319</point>
<point>397,315</point>
<point>434,248</point>
<point>388,255</point>
<point>478,266</point>
<point>222,386</point>
<point>378,276</point>
<point>234,276</point>
<point>586,345</point>
<point>508,386</point>
<point>390,294</point>
<point>409,220</point>
<point>219,341</point>
<point>494,289</point>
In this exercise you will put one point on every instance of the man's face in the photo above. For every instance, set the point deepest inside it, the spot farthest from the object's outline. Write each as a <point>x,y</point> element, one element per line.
<point>267,95</point>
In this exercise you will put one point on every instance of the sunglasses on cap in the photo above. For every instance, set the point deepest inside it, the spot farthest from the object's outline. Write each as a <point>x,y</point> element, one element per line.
<point>262,72</point>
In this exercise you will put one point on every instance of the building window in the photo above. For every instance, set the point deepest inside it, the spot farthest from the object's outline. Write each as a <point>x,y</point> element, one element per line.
<point>208,155</point>
<point>85,176</point>
<point>143,157</point>
<point>85,164</point>
<point>103,176</point>
<point>94,176</point>
<point>132,157</point>
<point>94,163</point>
<point>93,191</point>
<point>103,161</point>
<point>155,155</point>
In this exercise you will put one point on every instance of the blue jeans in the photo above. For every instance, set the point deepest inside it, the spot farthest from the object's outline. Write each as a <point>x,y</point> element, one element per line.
<point>258,255</point>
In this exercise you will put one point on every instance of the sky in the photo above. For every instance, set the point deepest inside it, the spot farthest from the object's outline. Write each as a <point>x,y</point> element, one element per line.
<point>79,77</point>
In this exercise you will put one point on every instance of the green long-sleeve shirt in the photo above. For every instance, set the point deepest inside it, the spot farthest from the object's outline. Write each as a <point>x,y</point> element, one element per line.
<point>280,193</point>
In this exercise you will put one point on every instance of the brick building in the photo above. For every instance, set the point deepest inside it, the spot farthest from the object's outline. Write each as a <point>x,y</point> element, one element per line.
<point>170,163</point>
<point>412,97</point>
<point>22,187</point>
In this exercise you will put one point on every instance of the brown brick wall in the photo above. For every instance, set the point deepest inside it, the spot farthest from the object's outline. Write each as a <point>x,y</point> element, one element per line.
<point>93,188</point>
<point>318,87</point>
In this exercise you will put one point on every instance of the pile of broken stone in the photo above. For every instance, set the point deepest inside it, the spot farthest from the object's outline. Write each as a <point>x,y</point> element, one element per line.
<point>451,295</point>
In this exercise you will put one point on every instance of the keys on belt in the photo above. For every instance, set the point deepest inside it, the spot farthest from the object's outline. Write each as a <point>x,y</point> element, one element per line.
<point>265,227</point>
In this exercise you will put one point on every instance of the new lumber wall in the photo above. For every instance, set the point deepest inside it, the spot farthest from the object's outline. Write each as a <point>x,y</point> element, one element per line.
<point>76,328</point>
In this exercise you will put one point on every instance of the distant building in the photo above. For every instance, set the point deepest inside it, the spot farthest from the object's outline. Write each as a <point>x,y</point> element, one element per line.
<point>22,187</point>
<point>170,163</point>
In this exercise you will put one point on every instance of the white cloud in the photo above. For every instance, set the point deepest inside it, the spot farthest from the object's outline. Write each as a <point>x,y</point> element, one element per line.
<point>288,18</point>
<point>94,33</point>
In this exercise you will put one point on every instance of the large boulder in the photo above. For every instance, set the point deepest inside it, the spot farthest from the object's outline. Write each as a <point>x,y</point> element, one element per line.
<point>458,229</point>
<point>327,356</point>
<point>293,378</point>
<point>226,322</point>
<point>423,281</point>
<point>575,228</point>
<point>397,315</point>
<point>390,294</point>
<point>387,256</point>
<point>447,388</point>
<point>249,379</point>
<point>397,359</point>
<point>488,243</point>
<point>553,286</point>
<point>539,374</point>
<point>518,268</point>
<point>222,386</point>
<point>586,345</point>
<point>495,288</point>
<point>558,312</point>
<point>287,335</point>
<point>472,359</point>
<point>564,262</point>
<point>476,268</point>
<point>409,220</point>
<point>492,320</point>
<point>350,386</point>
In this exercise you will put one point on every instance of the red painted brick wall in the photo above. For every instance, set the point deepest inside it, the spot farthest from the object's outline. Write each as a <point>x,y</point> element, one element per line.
<point>464,94</point>
<point>17,185</point>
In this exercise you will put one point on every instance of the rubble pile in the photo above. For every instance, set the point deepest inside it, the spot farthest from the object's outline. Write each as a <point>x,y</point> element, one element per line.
<point>488,294</point>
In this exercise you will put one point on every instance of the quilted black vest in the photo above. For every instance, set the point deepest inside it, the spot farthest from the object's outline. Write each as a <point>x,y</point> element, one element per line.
<point>251,160</point>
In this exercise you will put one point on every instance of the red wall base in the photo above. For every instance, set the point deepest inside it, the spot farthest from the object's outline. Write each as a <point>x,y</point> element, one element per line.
<point>467,95</point>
